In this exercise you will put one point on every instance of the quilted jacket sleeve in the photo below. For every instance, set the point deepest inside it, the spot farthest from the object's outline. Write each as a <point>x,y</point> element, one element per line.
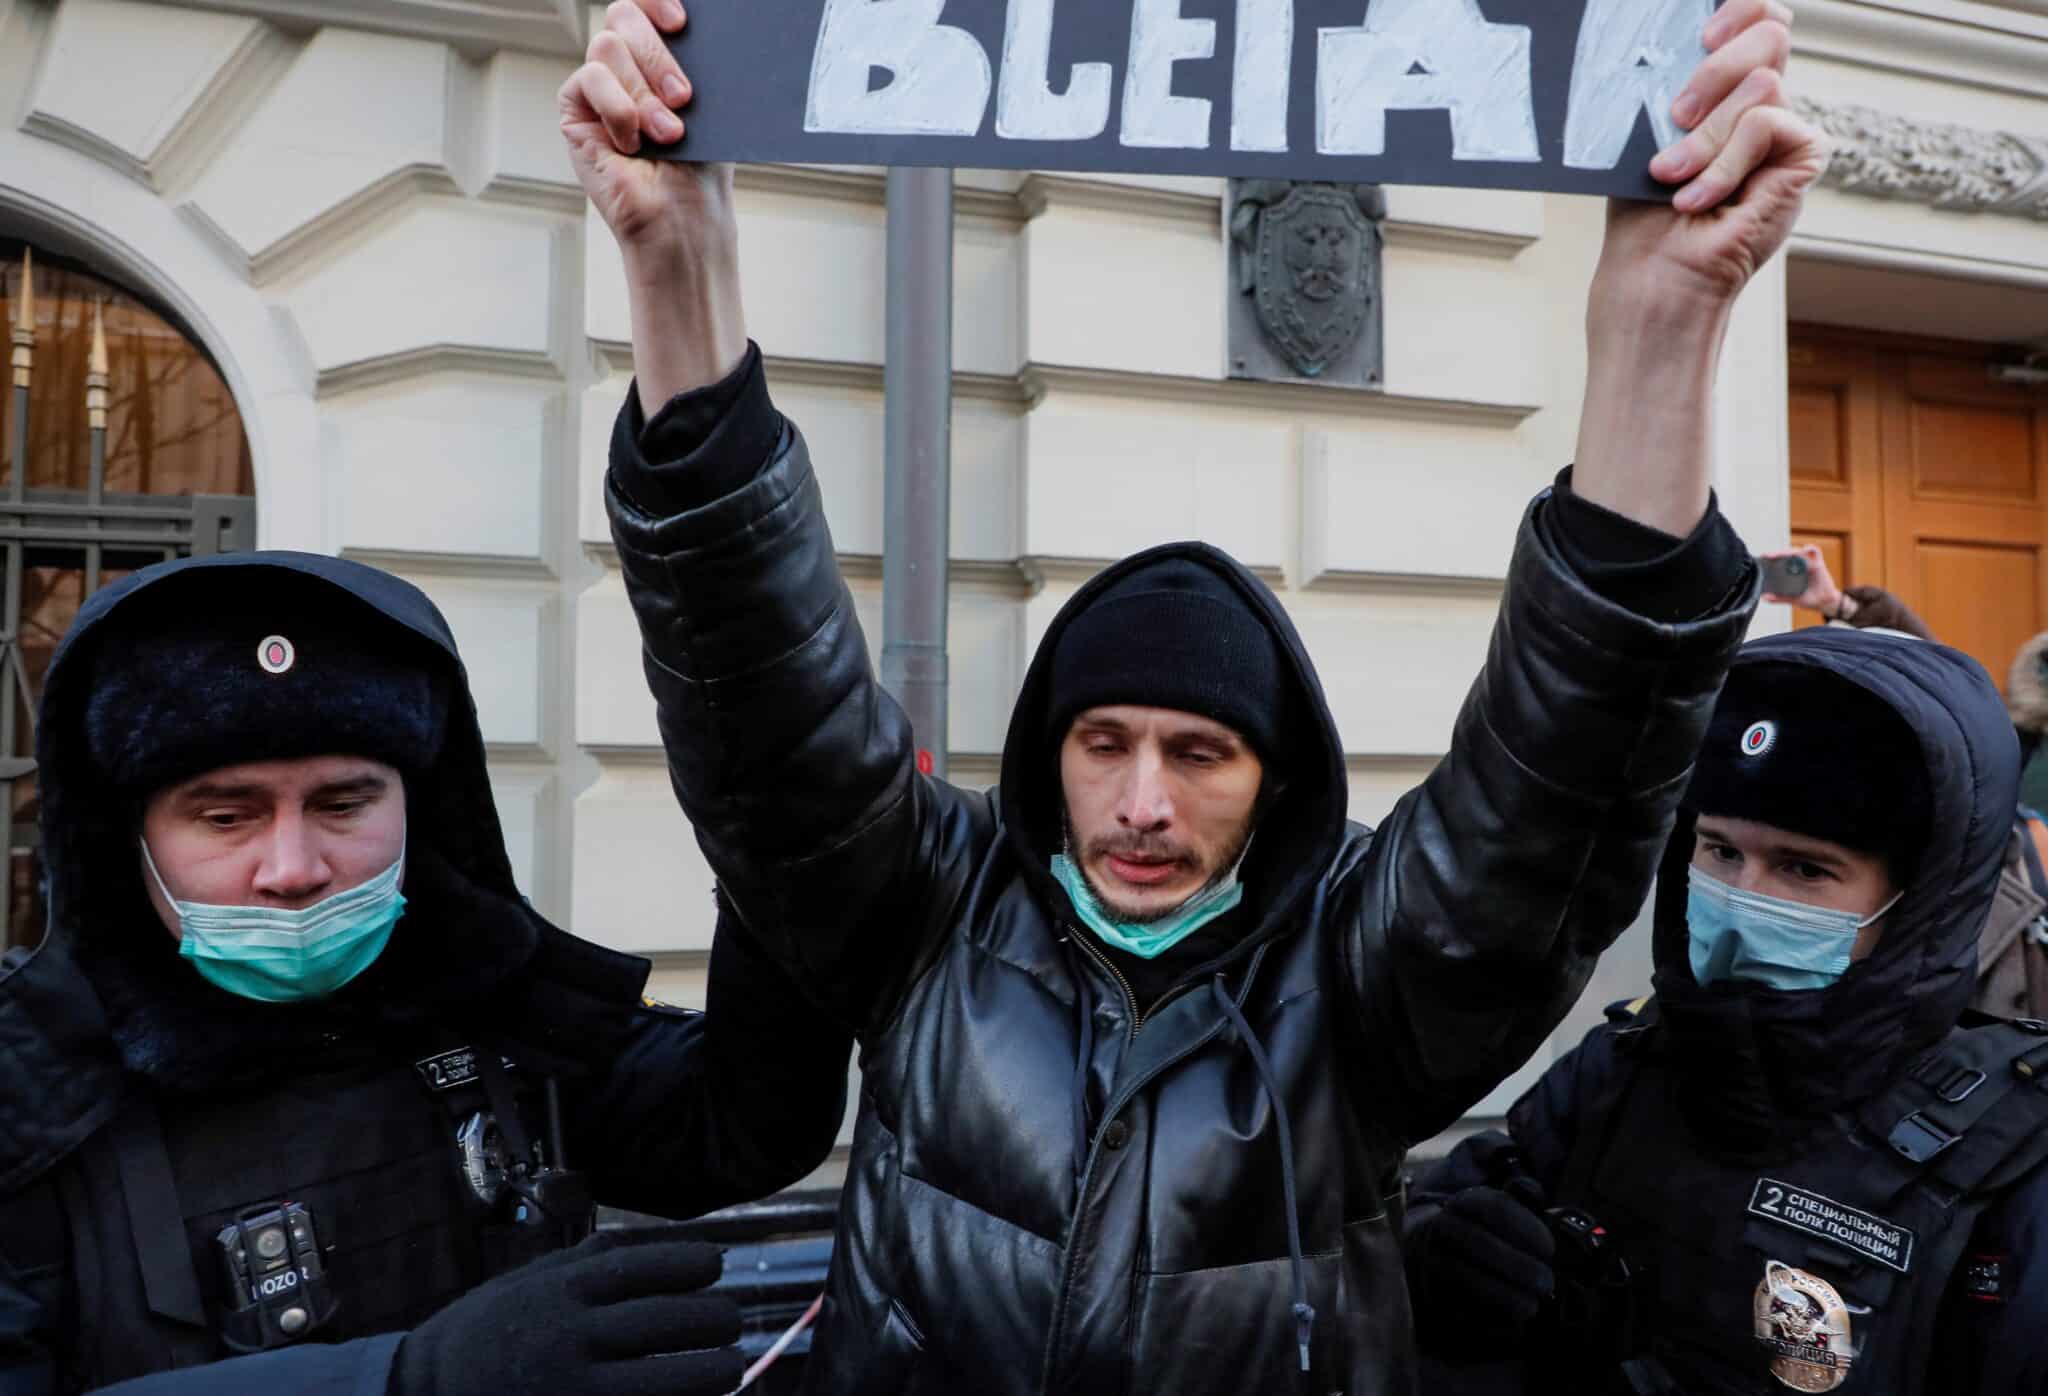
<point>794,766</point>
<point>1998,1345</point>
<point>701,1110</point>
<point>1492,887</point>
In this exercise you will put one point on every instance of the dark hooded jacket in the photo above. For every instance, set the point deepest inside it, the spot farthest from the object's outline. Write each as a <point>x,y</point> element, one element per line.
<point>1759,1077</point>
<point>666,1111</point>
<point>1054,1188</point>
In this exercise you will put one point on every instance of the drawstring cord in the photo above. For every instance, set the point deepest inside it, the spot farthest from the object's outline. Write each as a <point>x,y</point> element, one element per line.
<point>1083,1066</point>
<point>1304,1315</point>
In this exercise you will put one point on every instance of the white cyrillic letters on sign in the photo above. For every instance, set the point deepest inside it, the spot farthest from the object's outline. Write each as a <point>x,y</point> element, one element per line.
<point>1265,60</point>
<point>1632,54</point>
<point>938,77</point>
<point>1160,38</point>
<point>1027,109</point>
<point>1417,55</point>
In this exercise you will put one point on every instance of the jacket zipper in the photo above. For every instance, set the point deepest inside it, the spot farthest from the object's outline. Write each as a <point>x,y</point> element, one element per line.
<point>1138,1016</point>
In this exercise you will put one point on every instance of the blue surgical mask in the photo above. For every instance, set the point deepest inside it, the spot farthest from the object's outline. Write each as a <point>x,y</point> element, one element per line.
<point>1767,940</point>
<point>279,956</point>
<point>1151,939</point>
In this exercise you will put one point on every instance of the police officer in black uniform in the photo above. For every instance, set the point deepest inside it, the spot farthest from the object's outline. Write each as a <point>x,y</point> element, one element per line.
<point>299,1094</point>
<point>1802,1165</point>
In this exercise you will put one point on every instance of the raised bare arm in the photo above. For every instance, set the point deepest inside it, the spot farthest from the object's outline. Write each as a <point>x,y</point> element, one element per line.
<point>1669,276</point>
<point>673,222</point>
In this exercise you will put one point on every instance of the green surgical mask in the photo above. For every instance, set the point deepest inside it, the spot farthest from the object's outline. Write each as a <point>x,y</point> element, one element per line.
<point>1151,939</point>
<point>280,956</point>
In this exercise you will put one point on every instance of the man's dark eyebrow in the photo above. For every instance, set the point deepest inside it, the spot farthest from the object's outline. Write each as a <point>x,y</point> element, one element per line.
<point>204,790</point>
<point>1807,853</point>
<point>221,790</point>
<point>1102,724</point>
<point>365,784</point>
<point>1218,736</point>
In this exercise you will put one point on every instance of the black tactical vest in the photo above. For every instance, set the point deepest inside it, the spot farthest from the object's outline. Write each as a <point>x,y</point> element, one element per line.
<point>1823,1272</point>
<point>373,1159</point>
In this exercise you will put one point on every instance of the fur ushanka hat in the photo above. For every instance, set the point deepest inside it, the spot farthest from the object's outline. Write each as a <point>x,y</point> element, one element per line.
<point>206,671</point>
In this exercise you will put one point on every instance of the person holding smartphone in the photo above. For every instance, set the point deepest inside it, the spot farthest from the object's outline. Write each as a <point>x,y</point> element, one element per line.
<point>1800,577</point>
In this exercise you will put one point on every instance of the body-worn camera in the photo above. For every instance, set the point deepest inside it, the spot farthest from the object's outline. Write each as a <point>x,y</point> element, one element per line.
<point>1586,1339</point>
<point>1595,1290</point>
<point>277,1290</point>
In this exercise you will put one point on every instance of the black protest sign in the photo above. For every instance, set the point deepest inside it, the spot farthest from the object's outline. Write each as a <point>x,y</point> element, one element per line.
<point>1566,95</point>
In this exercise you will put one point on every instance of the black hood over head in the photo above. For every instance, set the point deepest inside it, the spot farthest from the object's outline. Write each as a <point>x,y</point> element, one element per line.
<point>1297,836</point>
<point>107,991</point>
<point>1758,1063</point>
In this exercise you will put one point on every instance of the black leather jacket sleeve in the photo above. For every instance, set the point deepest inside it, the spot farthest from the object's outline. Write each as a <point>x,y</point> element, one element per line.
<point>794,767</point>
<point>698,1111</point>
<point>1492,887</point>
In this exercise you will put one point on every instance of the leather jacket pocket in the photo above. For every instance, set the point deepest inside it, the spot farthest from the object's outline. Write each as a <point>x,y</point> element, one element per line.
<point>900,1333</point>
<point>900,1363</point>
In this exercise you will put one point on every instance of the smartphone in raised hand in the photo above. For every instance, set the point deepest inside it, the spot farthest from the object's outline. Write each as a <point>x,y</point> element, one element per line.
<point>1785,576</point>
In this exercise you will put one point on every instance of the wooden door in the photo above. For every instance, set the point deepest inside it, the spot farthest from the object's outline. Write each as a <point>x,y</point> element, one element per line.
<point>1914,470</point>
<point>1837,474</point>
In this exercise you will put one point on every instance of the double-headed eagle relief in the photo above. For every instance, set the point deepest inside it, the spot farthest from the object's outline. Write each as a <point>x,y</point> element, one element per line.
<point>1306,257</point>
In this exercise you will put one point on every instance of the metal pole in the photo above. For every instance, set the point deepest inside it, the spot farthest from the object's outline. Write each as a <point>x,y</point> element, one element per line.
<point>918,459</point>
<point>24,358</point>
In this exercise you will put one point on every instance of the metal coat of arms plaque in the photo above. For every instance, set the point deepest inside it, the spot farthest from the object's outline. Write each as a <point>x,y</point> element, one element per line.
<point>1308,262</point>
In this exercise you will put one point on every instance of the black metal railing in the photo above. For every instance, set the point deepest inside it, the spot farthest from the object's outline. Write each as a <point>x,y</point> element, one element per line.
<point>89,531</point>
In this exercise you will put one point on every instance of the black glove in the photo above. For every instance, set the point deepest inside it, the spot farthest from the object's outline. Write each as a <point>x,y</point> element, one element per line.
<point>619,1315</point>
<point>1479,1269</point>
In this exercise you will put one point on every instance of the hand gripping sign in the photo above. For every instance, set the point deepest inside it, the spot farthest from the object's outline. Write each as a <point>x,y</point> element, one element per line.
<point>1565,95</point>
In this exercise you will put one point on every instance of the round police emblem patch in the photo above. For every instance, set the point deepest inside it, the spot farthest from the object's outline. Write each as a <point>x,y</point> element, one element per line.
<point>1804,1325</point>
<point>1760,738</point>
<point>276,655</point>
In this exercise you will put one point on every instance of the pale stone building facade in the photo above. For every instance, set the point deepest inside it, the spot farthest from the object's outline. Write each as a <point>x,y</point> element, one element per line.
<point>362,208</point>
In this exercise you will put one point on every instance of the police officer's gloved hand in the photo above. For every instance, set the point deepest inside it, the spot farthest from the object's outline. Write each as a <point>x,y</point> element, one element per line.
<point>1479,1269</point>
<point>619,1315</point>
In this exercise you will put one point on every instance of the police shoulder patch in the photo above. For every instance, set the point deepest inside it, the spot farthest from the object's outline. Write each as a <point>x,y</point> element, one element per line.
<point>444,1071</point>
<point>1803,1209</point>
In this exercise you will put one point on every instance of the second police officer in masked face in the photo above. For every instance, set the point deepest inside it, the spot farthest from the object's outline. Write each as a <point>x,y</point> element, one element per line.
<point>299,1094</point>
<point>1801,1165</point>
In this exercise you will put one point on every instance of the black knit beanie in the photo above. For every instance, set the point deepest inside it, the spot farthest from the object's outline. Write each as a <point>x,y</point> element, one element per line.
<point>1807,750</point>
<point>1174,634</point>
<point>221,668</point>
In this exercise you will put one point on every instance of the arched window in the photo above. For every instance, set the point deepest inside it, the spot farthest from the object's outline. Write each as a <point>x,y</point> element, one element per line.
<point>123,447</point>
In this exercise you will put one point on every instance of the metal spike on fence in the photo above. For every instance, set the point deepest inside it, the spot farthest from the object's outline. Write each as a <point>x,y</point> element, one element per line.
<point>25,321</point>
<point>96,371</point>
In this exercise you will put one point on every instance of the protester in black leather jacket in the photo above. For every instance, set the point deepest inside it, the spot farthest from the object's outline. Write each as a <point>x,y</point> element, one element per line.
<point>1070,1177</point>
